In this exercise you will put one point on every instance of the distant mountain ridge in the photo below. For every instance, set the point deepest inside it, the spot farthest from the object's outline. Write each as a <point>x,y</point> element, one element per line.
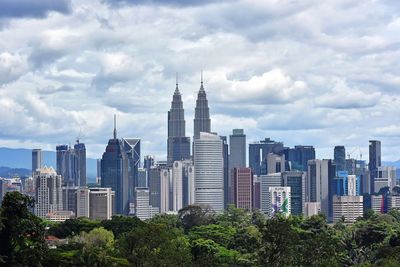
<point>7,172</point>
<point>18,159</point>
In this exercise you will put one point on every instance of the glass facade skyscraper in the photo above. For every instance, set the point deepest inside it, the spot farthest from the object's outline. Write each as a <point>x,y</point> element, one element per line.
<point>258,153</point>
<point>71,164</point>
<point>374,161</point>
<point>339,157</point>
<point>178,145</point>
<point>299,157</point>
<point>202,121</point>
<point>115,173</point>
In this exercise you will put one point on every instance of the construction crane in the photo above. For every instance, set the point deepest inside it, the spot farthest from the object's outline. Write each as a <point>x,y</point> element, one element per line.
<point>350,154</point>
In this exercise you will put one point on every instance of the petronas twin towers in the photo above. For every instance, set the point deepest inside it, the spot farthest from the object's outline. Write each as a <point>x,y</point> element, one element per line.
<point>178,144</point>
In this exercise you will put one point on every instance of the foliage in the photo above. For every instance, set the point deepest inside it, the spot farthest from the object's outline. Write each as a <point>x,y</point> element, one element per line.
<point>121,224</point>
<point>73,227</point>
<point>155,245</point>
<point>21,232</point>
<point>198,237</point>
<point>192,216</point>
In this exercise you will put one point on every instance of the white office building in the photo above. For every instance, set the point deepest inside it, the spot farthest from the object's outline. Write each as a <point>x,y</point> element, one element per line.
<point>347,207</point>
<point>101,203</point>
<point>209,173</point>
<point>165,178</point>
<point>48,194</point>
<point>267,181</point>
<point>312,208</point>
<point>82,202</point>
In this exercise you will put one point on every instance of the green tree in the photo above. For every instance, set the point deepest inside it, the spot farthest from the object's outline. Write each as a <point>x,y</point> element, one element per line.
<point>207,252</point>
<point>279,241</point>
<point>121,224</point>
<point>192,216</point>
<point>73,227</point>
<point>319,244</point>
<point>22,233</point>
<point>170,220</point>
<point>155,245</point>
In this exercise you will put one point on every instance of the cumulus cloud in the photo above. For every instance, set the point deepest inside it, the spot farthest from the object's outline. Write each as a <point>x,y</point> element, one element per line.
<point>344,97</point>
<point>116,68</point>
<point>52,90</point>
<point>28,8</point>
<point>272,87</point>
<point>278,69</point>
<point>177,3</point>
<point>12,66</point>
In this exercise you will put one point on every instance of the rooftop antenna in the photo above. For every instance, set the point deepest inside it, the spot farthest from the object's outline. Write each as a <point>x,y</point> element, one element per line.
<point>115,126</point>
<point>176,88</point>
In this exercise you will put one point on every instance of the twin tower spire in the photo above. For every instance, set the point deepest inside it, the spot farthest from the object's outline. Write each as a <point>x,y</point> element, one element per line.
<point>178,144</point>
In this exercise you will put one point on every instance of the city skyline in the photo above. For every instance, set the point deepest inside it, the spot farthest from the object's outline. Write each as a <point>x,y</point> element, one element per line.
<point>319,85</point>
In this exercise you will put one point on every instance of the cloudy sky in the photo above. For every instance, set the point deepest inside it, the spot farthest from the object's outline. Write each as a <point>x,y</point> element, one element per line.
<point>320,73</point>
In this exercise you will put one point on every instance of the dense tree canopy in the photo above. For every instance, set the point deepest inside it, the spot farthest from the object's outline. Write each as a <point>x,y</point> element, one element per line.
<point>198,237</point>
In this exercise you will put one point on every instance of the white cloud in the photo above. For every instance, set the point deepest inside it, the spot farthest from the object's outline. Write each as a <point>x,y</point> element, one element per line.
<point>12,66</point>
<point>275,68</point>
<point>272,87</point>
<point>344,97</point>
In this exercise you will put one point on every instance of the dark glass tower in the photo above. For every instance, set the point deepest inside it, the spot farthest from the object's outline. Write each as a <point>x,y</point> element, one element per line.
<point>80,159</point>
<point>374,161</point>
<point>202,122</point>
<point>258,154</point>
<point>178,144</point>
<point>340,158</point>
<point>299,157</point>
<point>66,165</point>
<point>132,151</point>
<point>225,154</point>
<point>71,164</point>
<point>115,173</point>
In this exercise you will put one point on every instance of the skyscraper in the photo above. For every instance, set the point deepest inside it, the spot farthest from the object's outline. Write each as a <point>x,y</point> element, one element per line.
<point>142,177</point>
<point>258,154</point>
<point>320,184</point>
<point>243,188</point>
<point>299,157</point>
<point>177,186</point>
<point>374,161</point>
<point>115,172</point>
<point>296,180</point>
<point>48,197</point>
<point>71,164</point>
<point>340,158</point>
<point>202,122</point>
<point>237,144</point>
<point>101,203</point>
<point>36,159</point>
<point>275,163</point>
<point>209,174</point>
<point>132,151</point>
<point>178,145</point>
<point>80,159</point>
<point>225,155</point>
<point>237,159</point>
<point>266,182</point>
<point>65,164</point>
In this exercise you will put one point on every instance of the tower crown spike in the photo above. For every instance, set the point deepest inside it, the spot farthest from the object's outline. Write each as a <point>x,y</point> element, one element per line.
<point>201,81</point>
<point>115,126</point>
<point>177,88</point>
